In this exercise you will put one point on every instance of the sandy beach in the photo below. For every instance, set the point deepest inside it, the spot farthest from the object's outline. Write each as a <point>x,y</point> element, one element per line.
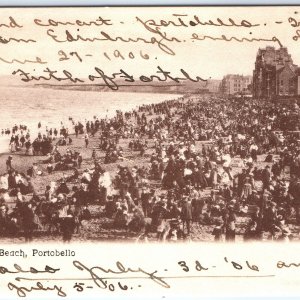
<point>100,227</point>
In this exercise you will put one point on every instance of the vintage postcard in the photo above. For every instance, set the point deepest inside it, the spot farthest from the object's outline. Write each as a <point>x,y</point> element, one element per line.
<point>149,152</point>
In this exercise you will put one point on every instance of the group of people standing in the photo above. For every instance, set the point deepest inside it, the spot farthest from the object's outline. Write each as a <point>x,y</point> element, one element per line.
<point>226,167</point>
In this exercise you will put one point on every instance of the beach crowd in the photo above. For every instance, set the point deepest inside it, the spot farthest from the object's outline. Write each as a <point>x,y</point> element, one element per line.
<point>230,166</point>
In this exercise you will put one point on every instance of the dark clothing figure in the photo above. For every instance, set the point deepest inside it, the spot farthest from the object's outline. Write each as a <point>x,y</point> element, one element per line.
<point>217,232</point>
<point>230,227</point>
<point>63,189</point>
<point>187,215</point>
<point>8,164</point>
<point>266,177</point>
<point>27,218</point>
<point>86,140</point>
<point>67,228</point>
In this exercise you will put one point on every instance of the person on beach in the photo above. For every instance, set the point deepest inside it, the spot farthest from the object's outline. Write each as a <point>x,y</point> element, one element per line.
<point>94,155</point>
<point>67,226</point>
<point>203,148</point>
<point>9,167</point>
<point>187,215</point>
<point>86,140</point>
<point>12,144</point>
<point>230,226</point>
<point>27,218</point>
<point>79,160</point>
<point>27,147</point>
<point>218,232</point>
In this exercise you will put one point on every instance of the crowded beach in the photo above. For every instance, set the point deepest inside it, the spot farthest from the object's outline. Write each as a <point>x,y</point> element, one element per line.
<point>197,168</point>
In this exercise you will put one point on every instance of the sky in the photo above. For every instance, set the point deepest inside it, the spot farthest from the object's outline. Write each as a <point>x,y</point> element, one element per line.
<point>206,58</point>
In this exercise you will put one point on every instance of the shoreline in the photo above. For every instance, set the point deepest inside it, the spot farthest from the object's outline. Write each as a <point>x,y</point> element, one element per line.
<point>76,141</point>
<point>95,229</point>
<point>77,145</point>
<point>108,112</point>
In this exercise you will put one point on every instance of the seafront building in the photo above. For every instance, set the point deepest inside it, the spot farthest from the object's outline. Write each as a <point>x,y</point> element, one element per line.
<point>235,84</point>
<point>275,75</point>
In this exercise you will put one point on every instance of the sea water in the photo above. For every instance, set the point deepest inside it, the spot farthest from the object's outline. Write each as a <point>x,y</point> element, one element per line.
<point>54,107</point>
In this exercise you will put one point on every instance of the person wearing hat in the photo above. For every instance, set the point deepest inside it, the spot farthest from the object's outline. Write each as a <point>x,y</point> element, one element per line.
<point>86,140</point>
<point>187,215</point>
<point>218,231</point>
<point>67,226</point>
<point>94,154</point>
<point>247,189</point>
<point>253,151</point>
<point>79,160</point>
<point>252,232</point>
<point>266,177</point>
<point>270,217</point>
<point>240,179</point>
<point>285,235</point>
<point>27,219</point>
<point>63,188</point>
<point>230,227</point>
<point>3,218</point>
<point>146,201</point>
<point>214,177</point>
<point>9,167</point>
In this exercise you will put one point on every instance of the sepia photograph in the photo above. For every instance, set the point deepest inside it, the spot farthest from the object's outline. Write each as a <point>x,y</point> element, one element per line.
<point>150,126</point>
